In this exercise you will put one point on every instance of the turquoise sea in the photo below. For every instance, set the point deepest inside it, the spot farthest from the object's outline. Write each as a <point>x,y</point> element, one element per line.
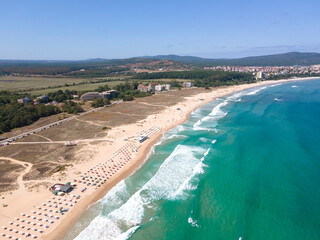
<point>245,166</point>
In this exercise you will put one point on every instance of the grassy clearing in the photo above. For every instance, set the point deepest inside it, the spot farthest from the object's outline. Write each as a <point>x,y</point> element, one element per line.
<point>12,83</point>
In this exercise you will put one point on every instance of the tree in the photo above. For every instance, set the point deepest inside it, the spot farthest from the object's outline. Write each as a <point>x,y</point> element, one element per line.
<point>100,102</point>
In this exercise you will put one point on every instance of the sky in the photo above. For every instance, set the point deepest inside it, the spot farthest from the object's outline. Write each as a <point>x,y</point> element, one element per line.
<point>79,29</point>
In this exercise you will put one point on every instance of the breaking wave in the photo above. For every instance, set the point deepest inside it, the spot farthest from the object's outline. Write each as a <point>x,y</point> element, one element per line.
<point>254,92</point>
<point>215,115</point>
<point>172,181</point>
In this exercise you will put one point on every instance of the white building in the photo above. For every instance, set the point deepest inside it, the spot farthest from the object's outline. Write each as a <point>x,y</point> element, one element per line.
<point>94,95</point>
<point>160,88</point>
<point>187,84</point>
<point>260,75</point>
<point>23,100</point>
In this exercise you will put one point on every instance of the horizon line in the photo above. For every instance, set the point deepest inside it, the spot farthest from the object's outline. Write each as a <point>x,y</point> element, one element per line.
<point>149,56</point>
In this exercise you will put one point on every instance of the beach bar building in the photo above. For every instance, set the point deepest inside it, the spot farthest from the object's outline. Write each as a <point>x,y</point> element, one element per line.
<point>58,187</point>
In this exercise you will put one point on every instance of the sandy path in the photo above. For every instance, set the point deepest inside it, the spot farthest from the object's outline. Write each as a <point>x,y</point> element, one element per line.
<point>90,122</point>
<point>43,137</point>
<point>153,105</point>
<point>27,169</point>
<point>39,181</point>
<point>127,114</point>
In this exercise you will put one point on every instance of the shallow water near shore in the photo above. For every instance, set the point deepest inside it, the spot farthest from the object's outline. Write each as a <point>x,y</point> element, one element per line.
<point>245,165</point>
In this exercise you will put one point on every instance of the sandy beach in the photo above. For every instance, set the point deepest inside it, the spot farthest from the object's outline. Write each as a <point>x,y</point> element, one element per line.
<point>101,167</point>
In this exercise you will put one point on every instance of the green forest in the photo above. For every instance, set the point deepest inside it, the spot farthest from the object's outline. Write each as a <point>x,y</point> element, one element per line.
<point>14,115</point>
<point>203,78</point>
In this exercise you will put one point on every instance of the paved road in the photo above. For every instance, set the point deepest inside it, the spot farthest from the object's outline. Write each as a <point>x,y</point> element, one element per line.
<point>22,135</point>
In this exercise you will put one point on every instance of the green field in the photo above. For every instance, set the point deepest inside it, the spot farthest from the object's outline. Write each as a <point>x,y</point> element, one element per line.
<point>33,84</point>
<point>12,83</point>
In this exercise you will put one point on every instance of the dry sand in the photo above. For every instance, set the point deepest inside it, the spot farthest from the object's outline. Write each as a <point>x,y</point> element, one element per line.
<point>24,201</point>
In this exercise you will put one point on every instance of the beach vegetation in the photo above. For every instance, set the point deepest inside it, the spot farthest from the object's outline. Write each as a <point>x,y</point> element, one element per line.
<point>71,107</point>
<point>100,102</point>
<point>60,96</point>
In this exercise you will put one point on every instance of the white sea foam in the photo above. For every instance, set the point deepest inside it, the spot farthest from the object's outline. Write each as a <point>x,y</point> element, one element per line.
<point>278,99</point>
<point>170,182</point>
<point>197,127</point>
<point>127,234</point>
<point>100,228</point>
<point>217,112</point>
<point>114,196</point>
<point>193,222</point>
<point>214,141</point>
<point>176,136</point>
<point>176,130</point>
<point>180,128</point>
<point>294,86</point>
<point>206,153</point>
<point>215,115</point>
<point>173,133</point>
<point>277,84</point>
<point>236,97</point>
<point>205,140</point>
<point>254,92</point>
<point>198,169</point>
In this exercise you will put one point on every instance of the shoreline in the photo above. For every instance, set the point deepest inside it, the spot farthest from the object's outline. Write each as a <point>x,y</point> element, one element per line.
<point>60,228</point>
<point>143,156</point>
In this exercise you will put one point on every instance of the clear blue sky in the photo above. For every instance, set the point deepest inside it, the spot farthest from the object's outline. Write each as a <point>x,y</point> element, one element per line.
<point>78,29</point>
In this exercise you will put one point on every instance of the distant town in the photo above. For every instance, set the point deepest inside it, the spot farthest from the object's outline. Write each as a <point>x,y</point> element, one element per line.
<point>269,71</point>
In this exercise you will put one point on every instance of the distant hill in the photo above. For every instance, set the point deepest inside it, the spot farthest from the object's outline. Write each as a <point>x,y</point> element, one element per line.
<point>48,67</point>
<point>283,59</point>
<point>167,62</point>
